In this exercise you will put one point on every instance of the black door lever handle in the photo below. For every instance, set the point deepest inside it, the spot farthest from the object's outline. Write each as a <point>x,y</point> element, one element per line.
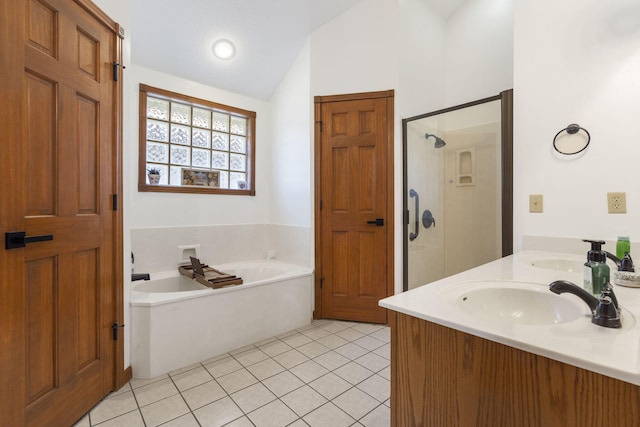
<point>378,222</point>
<point>19,239</point>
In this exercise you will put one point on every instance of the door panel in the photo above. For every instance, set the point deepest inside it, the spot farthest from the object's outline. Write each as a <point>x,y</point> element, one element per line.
<point>354,190</point>
<point>58,101</point>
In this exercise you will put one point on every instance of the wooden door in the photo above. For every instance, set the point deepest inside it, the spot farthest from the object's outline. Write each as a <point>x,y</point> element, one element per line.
<point>354,199</point>
<point>59,108</point>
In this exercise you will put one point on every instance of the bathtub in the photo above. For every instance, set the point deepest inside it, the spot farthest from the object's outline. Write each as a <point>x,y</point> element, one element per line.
<point>176,321</point>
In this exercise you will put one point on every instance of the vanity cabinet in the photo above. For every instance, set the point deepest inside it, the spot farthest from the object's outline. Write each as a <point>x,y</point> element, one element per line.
<point>444,377</point>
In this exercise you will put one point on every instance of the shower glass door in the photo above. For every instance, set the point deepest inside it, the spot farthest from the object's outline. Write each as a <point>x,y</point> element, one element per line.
<point>457,171</point>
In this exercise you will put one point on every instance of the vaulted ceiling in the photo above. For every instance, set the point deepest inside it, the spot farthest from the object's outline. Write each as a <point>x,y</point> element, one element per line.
<point>175,37</point>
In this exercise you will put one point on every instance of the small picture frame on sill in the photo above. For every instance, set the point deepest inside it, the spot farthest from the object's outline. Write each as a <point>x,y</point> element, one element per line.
<point>202,178</point>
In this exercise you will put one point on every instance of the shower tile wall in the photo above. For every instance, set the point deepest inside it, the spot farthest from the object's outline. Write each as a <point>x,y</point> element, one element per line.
<point>156,249</point>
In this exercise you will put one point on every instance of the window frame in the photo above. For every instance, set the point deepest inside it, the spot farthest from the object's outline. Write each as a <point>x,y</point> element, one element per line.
<point>200,103</point>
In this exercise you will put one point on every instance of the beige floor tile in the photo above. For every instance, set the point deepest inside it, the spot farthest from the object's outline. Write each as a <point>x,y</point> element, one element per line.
<point>189,379</point>
<point>333,341</point>
<point>237,381</point>
<point>330,385</point>
<point>187,420</point>
<point>334,326</point>
<point>113,407</point>
<point>265,369</point>
<point>369,343</point>
<point>386,373</point>
<point>351,350</point>
<point>83,422</point>
<point>154,392</point>
<point>250,357</point>
<point>275,347</point>
<point>329,415</point>
<point>240,422</point>
<point>353,372</point>
<point>309,371</point>
<point>218,413</point>
<point>384,351</point>
<point>372,362</point>
<point>367,328</point>
<point>350,334</point>
<point>253,397</point>
<point>185,369</point>
<point>130,419</point>
<point>355,403</point>
<point>331,360</point>
<point>383,334</point>
<point>303,400</point>
<point>274,414</point>
<point>297,340</point>
<point>141,382</point>
<point>290,358</point>
<point>164,410</point>
<point>377,387</point>
<point>223,367</point>
<point>312,349</point>
<point>316,333</point>
<point>283,383</point>
<point>379,417</point>
<point>203,394</point>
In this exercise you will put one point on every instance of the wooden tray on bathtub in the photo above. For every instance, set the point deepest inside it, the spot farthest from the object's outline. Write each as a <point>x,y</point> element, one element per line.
<point>212,278</point>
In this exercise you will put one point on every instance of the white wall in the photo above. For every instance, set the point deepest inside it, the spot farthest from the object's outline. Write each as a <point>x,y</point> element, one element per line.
<point>292,127</point>
<point>479,50</point>
<point>146,209</point>
<point>422,60</point>
<point>576,61</point>
<point>357,51</point>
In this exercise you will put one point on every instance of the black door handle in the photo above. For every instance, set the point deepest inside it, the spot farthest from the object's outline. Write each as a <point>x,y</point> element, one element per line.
<point>19,239</point>
<point>378,222</point>
<point>414,193</point>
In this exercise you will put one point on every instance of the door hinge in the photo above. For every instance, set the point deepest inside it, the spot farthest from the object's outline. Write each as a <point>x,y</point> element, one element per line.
<point>321,282</point>
<point>320,204</point>
<point>319,123</point>
<point>116,64</point>
<point>114,328</point>
<point>114,202</point>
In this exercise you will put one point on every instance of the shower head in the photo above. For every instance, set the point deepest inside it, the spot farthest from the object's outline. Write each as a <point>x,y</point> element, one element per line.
<point>439,141</point>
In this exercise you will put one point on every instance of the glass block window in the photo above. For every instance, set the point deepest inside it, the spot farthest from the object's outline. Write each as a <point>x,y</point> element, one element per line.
<point>196,145</point>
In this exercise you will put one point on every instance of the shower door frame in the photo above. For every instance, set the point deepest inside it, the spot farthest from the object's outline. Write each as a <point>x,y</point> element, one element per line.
<point>506,124</point>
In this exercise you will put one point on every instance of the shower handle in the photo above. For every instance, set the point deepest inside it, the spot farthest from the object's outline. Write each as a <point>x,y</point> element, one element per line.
<point>414,193</point>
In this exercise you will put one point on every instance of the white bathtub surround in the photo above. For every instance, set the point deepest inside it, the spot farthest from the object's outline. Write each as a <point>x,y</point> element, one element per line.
<point>177,328</point>
<point>155,248</point>
<point>578,342</point>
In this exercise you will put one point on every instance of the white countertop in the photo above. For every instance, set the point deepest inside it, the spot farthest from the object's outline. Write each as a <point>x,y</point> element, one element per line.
<point>611,352</point>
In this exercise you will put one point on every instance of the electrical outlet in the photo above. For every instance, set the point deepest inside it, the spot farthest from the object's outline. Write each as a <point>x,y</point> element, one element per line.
<point>617,202</point>
<point>535,203</point>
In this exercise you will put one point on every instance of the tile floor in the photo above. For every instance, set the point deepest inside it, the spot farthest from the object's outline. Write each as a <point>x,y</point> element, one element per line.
<point>326,374</point>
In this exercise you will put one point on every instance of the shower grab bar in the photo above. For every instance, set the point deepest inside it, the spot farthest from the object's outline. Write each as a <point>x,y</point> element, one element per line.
<point>413,193</point>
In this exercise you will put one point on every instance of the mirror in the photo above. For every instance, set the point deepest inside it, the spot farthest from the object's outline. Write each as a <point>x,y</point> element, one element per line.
<point>458,188</point>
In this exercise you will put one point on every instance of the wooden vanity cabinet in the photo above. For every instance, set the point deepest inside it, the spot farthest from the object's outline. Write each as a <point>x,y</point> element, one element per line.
<point>444,377</point>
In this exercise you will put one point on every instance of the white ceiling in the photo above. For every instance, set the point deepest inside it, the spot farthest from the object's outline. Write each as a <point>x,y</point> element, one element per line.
<point>175,37</point>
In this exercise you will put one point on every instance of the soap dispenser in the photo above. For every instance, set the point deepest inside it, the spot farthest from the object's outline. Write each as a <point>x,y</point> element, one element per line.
<point>596,270</point>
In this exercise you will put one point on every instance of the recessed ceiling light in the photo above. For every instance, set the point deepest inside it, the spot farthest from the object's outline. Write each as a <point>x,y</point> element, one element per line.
<point>224,49</point>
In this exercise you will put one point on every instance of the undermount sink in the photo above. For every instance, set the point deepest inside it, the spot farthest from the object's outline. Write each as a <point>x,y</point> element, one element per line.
<point>568,265</point>
<point>515,303</point>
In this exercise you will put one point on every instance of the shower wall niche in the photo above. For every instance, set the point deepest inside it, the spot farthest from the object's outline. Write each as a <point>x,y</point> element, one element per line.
<point>457,189</point>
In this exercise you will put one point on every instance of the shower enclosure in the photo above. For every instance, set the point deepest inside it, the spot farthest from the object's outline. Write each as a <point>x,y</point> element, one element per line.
<point>457,189</point>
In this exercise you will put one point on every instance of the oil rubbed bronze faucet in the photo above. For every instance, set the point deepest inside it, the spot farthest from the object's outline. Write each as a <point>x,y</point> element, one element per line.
<point>605,310</point>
